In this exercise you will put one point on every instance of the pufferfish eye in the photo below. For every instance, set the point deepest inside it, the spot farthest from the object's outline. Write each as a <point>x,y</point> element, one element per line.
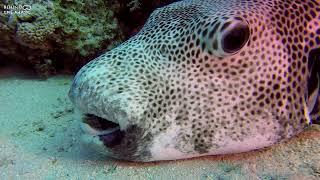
<point>234,36</point>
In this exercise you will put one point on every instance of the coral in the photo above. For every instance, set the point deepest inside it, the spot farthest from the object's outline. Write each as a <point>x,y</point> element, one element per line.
<point>88,24</point>
<point>134,4</point>
<point>38,27</point>
<point>68,32</point>
<point>65,31</point>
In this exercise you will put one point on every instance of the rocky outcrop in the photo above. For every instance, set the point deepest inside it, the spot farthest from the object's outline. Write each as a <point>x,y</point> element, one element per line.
<point>65,34</point>
<point>55,34</point>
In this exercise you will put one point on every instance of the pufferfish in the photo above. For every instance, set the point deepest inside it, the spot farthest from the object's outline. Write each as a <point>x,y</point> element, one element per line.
<point>204,77</point>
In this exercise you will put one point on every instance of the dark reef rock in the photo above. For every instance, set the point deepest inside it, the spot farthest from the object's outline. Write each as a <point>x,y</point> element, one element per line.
<point>134,13</point>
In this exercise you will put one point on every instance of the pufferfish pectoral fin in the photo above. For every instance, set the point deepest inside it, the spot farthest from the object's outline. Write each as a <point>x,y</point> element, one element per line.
<point>313,97</point>
<point>313,94</point>
<point>315,114</point>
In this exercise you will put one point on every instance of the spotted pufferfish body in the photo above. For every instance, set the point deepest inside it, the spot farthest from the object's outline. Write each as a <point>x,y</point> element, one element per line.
<point>205,77</point>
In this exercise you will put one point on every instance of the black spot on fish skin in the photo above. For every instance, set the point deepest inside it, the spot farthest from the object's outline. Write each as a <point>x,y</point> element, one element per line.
<point>225,25</point>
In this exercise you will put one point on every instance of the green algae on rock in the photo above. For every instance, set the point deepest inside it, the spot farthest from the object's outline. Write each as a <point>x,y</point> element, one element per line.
<point>68,33</point>
<point>65,31</point>
<point>88,24</point>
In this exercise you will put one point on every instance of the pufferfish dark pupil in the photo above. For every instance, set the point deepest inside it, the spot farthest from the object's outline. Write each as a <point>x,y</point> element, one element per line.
<point>235,38</point>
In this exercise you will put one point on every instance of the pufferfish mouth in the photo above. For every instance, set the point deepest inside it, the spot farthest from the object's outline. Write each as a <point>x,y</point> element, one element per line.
<point>108,132</point>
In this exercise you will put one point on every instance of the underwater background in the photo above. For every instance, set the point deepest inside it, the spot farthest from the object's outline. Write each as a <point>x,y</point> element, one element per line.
<point>42,45</point>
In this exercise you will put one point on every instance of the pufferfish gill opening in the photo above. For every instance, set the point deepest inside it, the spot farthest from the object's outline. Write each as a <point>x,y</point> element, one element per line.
<point>204,77</point>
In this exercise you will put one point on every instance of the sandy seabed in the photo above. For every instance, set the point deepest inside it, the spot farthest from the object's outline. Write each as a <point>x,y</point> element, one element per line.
<point>40,139</point>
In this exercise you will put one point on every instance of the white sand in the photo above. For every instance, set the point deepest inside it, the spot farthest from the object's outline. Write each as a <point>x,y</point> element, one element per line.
<point>39,139</point>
